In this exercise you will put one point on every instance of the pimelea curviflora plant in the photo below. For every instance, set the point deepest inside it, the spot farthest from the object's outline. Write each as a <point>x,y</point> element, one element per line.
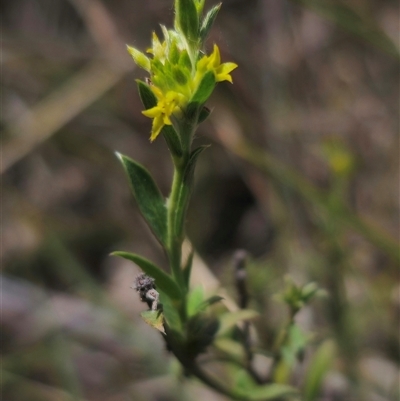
<point>181,77</point>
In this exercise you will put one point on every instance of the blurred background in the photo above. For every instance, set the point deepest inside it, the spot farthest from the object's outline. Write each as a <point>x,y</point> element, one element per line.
<point>302,172</point>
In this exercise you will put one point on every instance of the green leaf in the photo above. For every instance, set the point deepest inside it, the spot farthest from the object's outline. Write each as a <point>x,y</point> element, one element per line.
<point>251,391</point>
<point>189,172</point>
<point>164,281</point>
<point>243,382</point>
<point>148,196</point>
<point>187,269</point>
<point>174,52</point>
<point>205,88</point>
<point>171,314</point>
<point>230,347</point>
<point>268,392</point>
<point>200,333</point>
<point>154,319</point>
<point>192,112</point>
<point>211,301</point>
<point>139,58</point>
<point>186,19</point>
<point>147,96</point>
<point>229,320</point>
<point>179,75</point>
<point>162,76</point>
<point>196,302</point>
<point>199,6</point>
<point>208,22</point>
<point>203,115</point>
<point>172,139</point>
<point>208,302</point>
<point>309,291</point>
<point>294,345</point>
<point>317,370</point>
<point>184,60</point>
<point>195,299</point>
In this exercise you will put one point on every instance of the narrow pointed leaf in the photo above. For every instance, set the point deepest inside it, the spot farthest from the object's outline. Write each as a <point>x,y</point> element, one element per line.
<point>204,89</point>
<point>211,301</point>
<point>268,392</point>
<point>203,115</point>
<point>189,172</point>
<point>171,314</point>
<point>192,112</point>
<point>229,320</point>
<point>199,6</point>
<point>208,22</point>
<point>148,196</point>
<point>232,348</point>
<point>147,96</point>
<point>172,139</point>
<point>187,269</point>
<point>194,300</point>
<point>199,307</point>
<point>317,370</point>
<point>154,319</point>
<point>140,59</point>
<point>186,19</point>
<point>164,281</point>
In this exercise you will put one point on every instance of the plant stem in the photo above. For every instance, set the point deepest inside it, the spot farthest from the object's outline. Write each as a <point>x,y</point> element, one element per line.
<point>174,241</point>
<point>177,205</point>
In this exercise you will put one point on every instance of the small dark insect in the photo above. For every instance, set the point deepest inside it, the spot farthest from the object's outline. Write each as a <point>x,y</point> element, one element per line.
<point>146,288</point>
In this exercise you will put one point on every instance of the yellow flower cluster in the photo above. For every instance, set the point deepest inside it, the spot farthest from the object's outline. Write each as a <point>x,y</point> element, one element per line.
<point>167,105</point>
<point>175,76</point>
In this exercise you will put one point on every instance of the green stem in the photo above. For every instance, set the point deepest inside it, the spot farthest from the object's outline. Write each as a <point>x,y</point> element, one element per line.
<point>177,205</point>
<point>174,241</point>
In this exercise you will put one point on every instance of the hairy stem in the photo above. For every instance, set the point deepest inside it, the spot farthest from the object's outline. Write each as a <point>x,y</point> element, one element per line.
<point>174,241</point>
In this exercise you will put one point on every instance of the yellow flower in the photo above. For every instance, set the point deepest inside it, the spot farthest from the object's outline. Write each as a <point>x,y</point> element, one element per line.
<point>213,63</point>
<point>167,104</point>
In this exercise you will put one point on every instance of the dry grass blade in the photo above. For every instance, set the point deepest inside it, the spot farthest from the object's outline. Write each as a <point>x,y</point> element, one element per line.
<point>103,31</point>
<point>52,113</point>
